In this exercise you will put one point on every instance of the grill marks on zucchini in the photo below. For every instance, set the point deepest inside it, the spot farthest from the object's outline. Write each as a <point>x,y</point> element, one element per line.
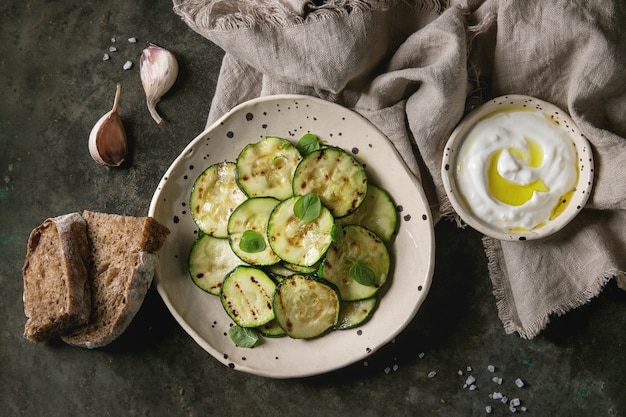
<point>266,168</point>
<point>210,260</point>
<point>246,296</point>
<point>214,197</point>
<point>292,276</point>
<point>305,307</point>
<point>377,212</point>
<point>296,241</point>
<point>355,313</point>
<point>252,215</point>
<point>359,244</point>
<point>335,176</point>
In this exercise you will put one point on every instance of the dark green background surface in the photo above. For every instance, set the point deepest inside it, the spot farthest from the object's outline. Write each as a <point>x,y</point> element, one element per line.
<point>54,86</point>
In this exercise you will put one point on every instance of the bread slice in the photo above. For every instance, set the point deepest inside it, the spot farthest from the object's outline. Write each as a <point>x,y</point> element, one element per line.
<point>56,289</point>
<point>124,257</point>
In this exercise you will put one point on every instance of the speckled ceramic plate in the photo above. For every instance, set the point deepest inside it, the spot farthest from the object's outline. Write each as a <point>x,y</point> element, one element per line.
<point>412,251</point>
<point>568,204</point>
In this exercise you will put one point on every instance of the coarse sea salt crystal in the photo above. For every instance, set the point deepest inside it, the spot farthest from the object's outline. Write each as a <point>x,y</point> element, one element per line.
<point>515,402</point>
<point>496,395</point>
<point>488,409</point>
<point>127,65</point>
<point>491,368</point>
<point>105,57</point>
<point>132,40</point>
<point>497,380</point>
<point>432,374</point>
<point>470,380</point>
<point>519,383</point>
<point>112,48</point>
<point>421,355</point>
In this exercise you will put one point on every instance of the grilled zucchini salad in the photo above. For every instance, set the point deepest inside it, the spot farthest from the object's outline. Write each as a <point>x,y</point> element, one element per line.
<point>292,239</point>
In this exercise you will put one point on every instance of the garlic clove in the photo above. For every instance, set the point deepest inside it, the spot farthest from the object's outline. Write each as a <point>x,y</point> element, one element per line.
<point>158,69</point>
<point>107,141</point>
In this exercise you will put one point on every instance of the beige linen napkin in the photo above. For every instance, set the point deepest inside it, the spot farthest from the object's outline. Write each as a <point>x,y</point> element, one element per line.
<point>415,67</point>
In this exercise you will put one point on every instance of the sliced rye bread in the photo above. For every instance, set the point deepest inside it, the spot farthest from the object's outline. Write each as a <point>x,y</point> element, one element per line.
<point>56,289</point>
<point>124,256</point>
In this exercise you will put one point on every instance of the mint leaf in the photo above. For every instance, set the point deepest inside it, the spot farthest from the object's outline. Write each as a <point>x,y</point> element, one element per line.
<point>308,143</point>
<point>251,242</point>
<point>336,233</point>
<point>308,207</point>
<point>362,274</point>
<point>243,337</point>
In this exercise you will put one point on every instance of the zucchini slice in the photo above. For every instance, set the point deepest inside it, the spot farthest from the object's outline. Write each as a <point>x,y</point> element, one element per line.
<point>355,313</point>
<point>278,271</point>
<point>359,245</point>
<point>377,212</point>
<point>335,176</point>
<point>266,168</point>
<point>214,197</point>
<point>210,260</point>
<point>247,231</point>
<point>247,296</point>
<point>307,270</point>
<point>271,329</point>
<point>304,307</point>
<point>296,241</point>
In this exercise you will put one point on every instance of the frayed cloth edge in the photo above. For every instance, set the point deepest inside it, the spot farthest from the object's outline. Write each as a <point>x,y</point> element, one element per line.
<point>225,15</point>
<point>494,254</point>
<point>447,213</point>
<point>505,305</point>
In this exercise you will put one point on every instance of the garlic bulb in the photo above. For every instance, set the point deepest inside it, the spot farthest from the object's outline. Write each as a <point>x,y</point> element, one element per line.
<point>158,69</point>
<point>107,140</point>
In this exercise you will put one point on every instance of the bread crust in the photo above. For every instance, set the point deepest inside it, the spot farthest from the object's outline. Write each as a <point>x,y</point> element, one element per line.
<point>57,295</point>
<point>86,276</point>
<point>124,259</point>
<point>108,324</point>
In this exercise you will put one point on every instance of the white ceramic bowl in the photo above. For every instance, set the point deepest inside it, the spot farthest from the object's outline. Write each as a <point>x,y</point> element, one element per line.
<point>412,251</point>
<point>517,105</point>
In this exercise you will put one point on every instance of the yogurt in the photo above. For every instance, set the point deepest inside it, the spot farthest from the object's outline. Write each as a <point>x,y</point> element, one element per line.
<point>516,169</point>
